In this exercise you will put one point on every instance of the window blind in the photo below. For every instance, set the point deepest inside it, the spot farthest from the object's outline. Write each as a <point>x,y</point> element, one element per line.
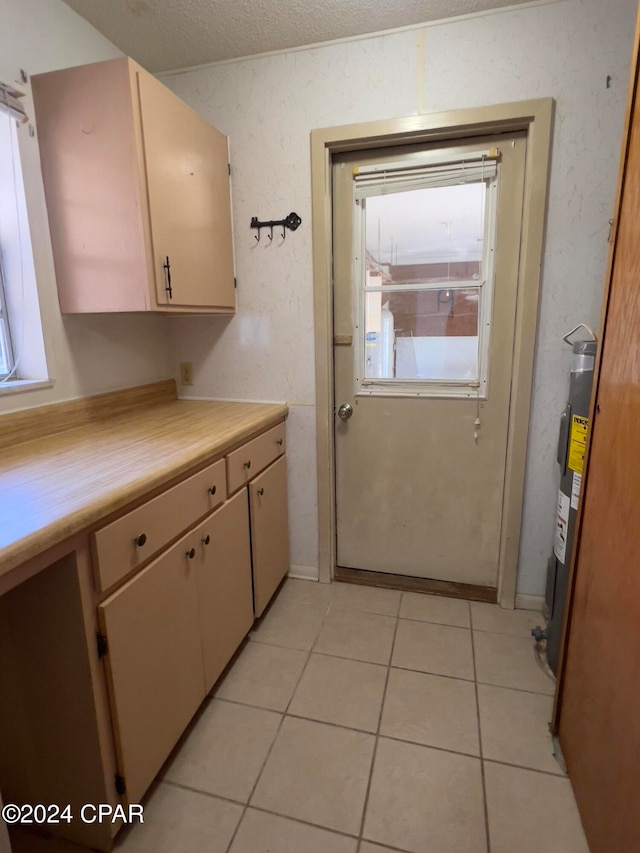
<point>407,175</point>
<point>10,102</point>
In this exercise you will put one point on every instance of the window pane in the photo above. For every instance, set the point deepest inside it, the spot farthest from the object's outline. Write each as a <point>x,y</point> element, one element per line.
<point>429,335</point>
<point>428,235</point>
<point>4,355</point>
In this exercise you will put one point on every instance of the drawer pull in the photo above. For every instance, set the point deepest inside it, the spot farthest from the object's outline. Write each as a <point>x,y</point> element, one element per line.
<point>213,490</point>
<point>141,540</point>
<point>191,553</point>
<point>279,442</point>
<point>261,492</point>
<point>247,465</point>
<point>206,540</point>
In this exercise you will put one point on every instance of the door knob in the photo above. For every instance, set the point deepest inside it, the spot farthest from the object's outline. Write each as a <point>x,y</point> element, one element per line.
<point>345,411</point>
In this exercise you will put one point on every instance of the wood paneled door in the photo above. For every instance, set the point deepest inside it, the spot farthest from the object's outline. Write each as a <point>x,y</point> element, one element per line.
<point>599,697</point>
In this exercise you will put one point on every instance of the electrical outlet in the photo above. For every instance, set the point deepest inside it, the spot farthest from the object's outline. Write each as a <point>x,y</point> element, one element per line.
<point>186,373</point>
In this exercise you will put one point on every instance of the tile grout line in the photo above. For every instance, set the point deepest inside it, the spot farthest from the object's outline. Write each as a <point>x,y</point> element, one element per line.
<point>273,742</point>
<point>409,669</point>
<point>484,782</point>
<point>202,792</point>
<point>553,775</point>
<point>217,796</point>
<point>262,809</point>
<point>286,713</point>
<point>331,607</point>
<point>394,738</point>
<point>377,735</point>
<point>397,739</point>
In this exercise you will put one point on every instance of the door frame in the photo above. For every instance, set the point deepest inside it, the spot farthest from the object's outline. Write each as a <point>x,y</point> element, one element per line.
<point>536,118</point>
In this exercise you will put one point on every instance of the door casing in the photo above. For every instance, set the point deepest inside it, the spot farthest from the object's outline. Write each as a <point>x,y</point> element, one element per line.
<point>536,118</point>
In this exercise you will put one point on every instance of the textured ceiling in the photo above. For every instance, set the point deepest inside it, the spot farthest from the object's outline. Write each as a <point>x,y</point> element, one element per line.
<point>163,35</point>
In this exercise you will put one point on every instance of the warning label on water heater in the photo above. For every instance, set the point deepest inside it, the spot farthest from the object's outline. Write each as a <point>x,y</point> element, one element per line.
<point>562,527</point>
<point>575,490</point>
<point>578,443</point>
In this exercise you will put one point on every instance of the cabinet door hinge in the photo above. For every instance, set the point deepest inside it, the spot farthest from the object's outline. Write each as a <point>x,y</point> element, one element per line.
<point>235,282</point>
<point>229,165</point>
<point>103,645</point>
<point>121,786</point>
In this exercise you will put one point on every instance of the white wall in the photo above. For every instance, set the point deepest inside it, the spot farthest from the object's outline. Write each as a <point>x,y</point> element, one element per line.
<point>90,354</point>
<point>268,105</point>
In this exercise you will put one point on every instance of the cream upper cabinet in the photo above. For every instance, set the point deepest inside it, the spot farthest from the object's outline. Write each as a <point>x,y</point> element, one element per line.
<point>137,190</point>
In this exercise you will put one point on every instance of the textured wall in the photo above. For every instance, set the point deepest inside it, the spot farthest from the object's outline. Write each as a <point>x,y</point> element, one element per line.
<point>85,354</point>
<point>269,105</point>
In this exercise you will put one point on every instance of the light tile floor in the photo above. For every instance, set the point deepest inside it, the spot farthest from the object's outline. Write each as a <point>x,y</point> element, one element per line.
<point>360,720</point>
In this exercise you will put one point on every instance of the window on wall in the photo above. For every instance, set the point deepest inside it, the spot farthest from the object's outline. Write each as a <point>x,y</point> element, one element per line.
<point>10,111</point>
<point>22,357</point>
<point>6,350</point>
<point>425,256</point>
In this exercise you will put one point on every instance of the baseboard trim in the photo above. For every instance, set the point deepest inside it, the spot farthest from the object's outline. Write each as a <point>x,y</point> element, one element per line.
<point>411,584</point>
<point>529,602</point>
<point>306,573</point>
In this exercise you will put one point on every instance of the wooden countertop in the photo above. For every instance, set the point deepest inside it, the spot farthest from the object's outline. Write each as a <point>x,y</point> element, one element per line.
<point>56,486</point>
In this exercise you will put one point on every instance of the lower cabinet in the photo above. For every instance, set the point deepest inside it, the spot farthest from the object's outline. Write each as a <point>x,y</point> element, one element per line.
<point>224,584</point>
<point>87,722</point>
<point>170,632</point>
<point>269,532</point>
<point>153,662</point>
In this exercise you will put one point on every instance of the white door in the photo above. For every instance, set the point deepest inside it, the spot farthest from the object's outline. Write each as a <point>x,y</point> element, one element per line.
<point>426,254</point>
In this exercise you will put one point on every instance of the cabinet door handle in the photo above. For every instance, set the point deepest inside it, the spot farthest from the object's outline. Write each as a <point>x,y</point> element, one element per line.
<point>247,465</point>
<point>212,490</point>
<point>261,492</point>
<point>141,540</point>
<point>167,276</point>
<point>191,553</point>
<point>206,540</point>
<point>279,442</point>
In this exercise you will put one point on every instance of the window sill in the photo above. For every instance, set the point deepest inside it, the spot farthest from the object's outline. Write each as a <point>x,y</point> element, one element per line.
<point>19,386</point>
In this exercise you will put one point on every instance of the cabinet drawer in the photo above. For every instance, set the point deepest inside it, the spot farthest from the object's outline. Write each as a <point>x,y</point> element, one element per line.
<point>254,456</point>
<point>128,542</point>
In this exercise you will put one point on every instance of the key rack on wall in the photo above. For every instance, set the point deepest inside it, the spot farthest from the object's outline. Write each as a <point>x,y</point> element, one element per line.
<point>291,222</point>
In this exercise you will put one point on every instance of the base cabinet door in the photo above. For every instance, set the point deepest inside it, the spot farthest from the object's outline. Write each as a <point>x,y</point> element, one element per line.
<point>154,663</point>
<point>269,532</point>
<point>224,584</point>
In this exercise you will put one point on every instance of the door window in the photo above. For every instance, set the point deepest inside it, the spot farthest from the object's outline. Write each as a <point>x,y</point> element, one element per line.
<point>424,275</point>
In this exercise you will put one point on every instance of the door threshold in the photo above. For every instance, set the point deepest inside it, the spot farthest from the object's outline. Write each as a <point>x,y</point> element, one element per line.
<point>410,584</point>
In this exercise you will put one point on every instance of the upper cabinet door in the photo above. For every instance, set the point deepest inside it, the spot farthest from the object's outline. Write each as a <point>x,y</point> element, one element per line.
<point>95,199</point>
<point>187,170</point>
<point>133,176</point>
